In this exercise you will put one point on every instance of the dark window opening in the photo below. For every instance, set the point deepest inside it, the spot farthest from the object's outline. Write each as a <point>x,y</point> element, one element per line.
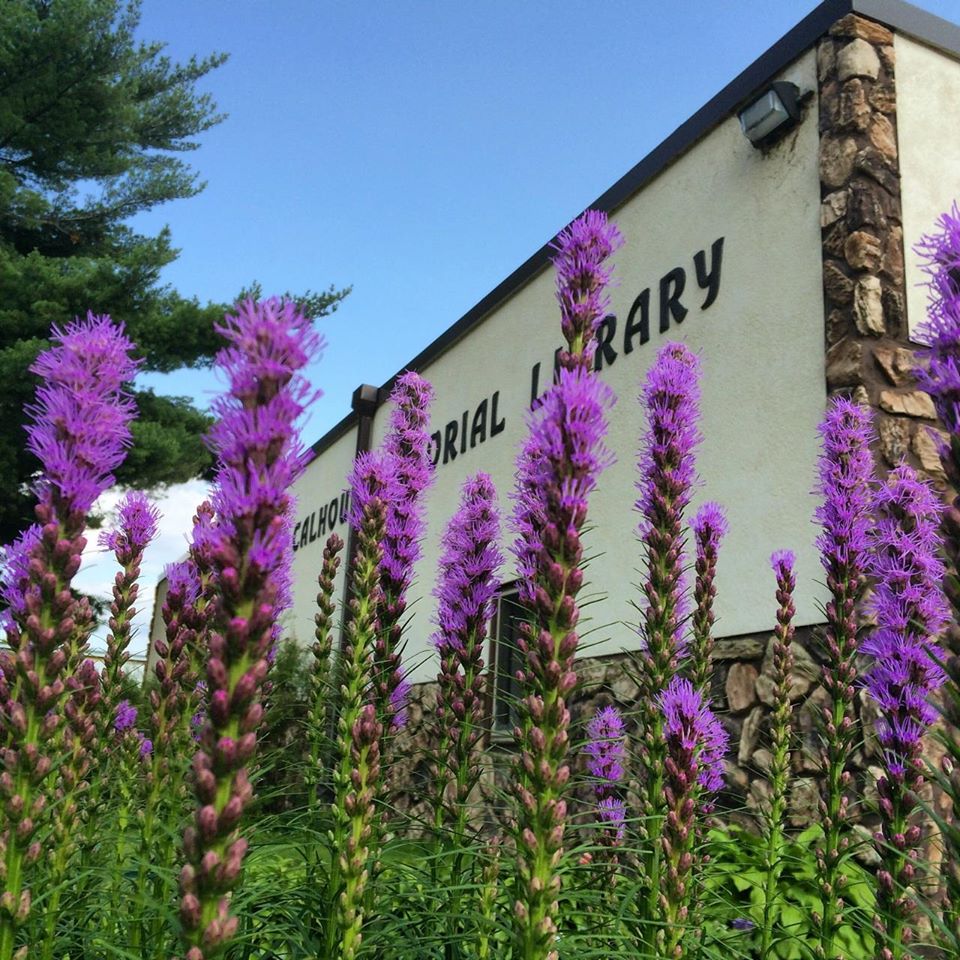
<point>506,660</point>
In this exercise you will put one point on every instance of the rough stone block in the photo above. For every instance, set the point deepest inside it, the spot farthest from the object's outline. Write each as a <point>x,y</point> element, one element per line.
<point>894,439</point>
<point>740,648</point>
<point>897,363</point>
<point>749,735</point>
<point>838,285</point>
<point>883,135</point>
<point>914,403</point>
<point>805,672</point>
<point>853,108</point>
<point>853,26</point>
<point>845,364</point>
<point>883,97</point>
<point>863,251</point>
<point>927,449</point>
<point>832,208</point>
<point>875,165</point>
<point>858,59</point>
<point>741,687</point>
<point>837,157</point>
<point>868,306</point>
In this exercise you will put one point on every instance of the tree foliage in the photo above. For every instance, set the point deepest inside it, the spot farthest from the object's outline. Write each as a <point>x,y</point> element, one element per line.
<point>93,127</point>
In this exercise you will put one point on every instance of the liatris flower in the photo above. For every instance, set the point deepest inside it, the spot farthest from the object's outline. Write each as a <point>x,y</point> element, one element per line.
<point>709,527</point>
<point>137,524</point>
<point>357,766</point>
<point>407,444</point>
<point>15,576</point>
<point>910,610</point>
<point>558,468</point>
<point>846,471</point>
<point>258,458</point>
<point>317,715</point>
<point>695,747</point>
<point>671,397</point>
<point>582,276</point>
<point>125,716</point>
<point>79,429</point>
<point>467,585</point>
<point>606,753</point>
<point>939,375</point>
<point>780,731</point>
<point>671,400</point>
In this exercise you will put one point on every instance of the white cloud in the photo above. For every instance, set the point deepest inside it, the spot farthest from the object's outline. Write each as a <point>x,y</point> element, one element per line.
<point>99,568</point>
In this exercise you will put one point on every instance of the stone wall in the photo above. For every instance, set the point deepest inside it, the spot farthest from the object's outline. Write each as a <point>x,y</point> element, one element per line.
<point>869,355</point>
<point>742,689</point>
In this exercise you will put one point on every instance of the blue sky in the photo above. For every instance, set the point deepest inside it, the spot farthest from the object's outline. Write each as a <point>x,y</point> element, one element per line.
<point>418,151</point>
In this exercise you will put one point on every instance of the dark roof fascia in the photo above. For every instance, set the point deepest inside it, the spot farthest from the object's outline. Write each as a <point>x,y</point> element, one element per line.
<point>901,16</point>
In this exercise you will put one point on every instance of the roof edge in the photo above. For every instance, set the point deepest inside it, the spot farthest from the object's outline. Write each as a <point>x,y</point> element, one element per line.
<point>903,17</point>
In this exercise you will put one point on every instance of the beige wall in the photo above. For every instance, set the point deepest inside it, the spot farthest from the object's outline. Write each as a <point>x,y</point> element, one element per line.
<point>761,344</point>
<point>323,481</point>
<point>928,133</point>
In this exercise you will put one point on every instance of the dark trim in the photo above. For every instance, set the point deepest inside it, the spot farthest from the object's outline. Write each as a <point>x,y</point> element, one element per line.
<point>903,17</point>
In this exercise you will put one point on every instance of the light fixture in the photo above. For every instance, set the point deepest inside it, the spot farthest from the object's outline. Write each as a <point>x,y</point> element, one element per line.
<point>771,114</point>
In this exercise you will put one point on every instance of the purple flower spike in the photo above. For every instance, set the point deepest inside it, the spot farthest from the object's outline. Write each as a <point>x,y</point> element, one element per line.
<point>710,526</point>
<point>671,399</point>
<point>80,421</point>
<point>126,716</point>
<point>137,524</point>
<point>582,276</point>
<point>146,746</point>
<point>566,440</point>
<point>940,374</point>
<point>605,747</point>
<point>782,561</point>
<point>910,610</point>
<point>14,571</point>
<point>259,456</point>
<point>400,706</point>
<point>612,814</point>
<point>693,730</point>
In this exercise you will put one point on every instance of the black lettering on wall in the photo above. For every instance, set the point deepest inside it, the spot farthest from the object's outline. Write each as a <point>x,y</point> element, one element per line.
<point>313,528</point>
<point>435,440</point>
<point>344,506</point>
<point>671,290</point>
<point>709,281</point>
<point>534,385</point>
<point>296,530</point>
<point>304,534</point>
<point>495,427</point>
<point>637,324</point>
<point>463,431</point>
<point>478,429</point>
<point>332,514</point>
<point>450,441</point>
<point>605,333</point>
<point>322,521</point>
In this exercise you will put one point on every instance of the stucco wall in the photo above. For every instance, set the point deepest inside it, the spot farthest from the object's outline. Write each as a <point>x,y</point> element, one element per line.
<point>761,343</point>
<point>928,131</point>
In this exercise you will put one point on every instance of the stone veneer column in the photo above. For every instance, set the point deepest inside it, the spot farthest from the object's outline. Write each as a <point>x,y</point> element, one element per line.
<point>868,351</point>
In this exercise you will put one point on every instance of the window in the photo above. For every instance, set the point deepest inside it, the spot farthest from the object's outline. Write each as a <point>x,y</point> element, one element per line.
<point>506,659</point>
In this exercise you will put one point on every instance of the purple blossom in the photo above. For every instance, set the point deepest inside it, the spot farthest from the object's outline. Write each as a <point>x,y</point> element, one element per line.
<point>259,455</point>
<point>373,477</point>
<point>80,421</point>
<point>146,746</point>
<point>562,458</point>
<point>400,705</point>
<point>742,923</point>
<point>407,443</point>
<point>581,278</point>
<point>612,813</point>
<point>846,476</point>
<point>605,748</point>
<point>782,562</point>
<point>691,726</point>
<point>709,527</point>
<point>125,717</point>
<point>14,574</point>
<point>137,523</point>
<point>909,607</point>
<point>467,583</point>
<point>940,375</point>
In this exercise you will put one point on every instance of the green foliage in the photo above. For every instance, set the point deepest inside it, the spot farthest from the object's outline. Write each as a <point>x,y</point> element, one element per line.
<point>735,882</point>
<point>93,126</point>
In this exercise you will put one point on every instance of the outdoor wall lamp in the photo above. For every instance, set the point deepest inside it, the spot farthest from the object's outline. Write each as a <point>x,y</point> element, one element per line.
<point>770,115</point>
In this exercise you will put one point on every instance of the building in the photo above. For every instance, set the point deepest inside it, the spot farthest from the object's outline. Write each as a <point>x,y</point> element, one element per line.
<point>784,259</point>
